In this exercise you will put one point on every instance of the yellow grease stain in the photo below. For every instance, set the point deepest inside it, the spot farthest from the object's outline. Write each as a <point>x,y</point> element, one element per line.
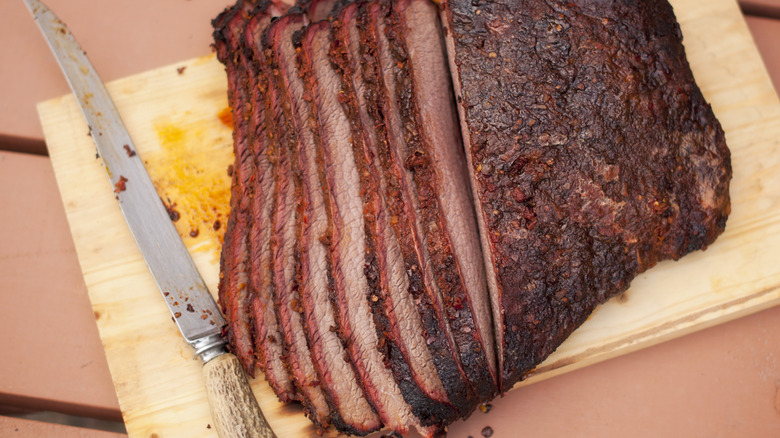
<point>189,171</point>
<point>170,136</point>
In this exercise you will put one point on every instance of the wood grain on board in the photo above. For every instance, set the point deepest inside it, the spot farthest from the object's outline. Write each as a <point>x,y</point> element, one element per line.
<point>174,119</point>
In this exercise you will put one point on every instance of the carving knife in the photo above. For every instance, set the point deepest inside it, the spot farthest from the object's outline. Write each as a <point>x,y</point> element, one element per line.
<point>233,406</point>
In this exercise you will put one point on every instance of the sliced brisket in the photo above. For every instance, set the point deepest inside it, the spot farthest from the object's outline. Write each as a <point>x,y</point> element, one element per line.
<point>379,69</point>
<point>356,271</point>
<point>266,110</point>
<point>395,312</point>
<point>350,411</point>
<point>287,225</point>
<point>593,155</point>
<point>233,292</point>
<point>318,10</point>
<point>435,157</point>
<point>353,266</point>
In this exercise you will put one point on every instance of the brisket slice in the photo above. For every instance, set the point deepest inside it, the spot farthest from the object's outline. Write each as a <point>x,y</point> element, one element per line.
<point>398,323</point>
<point>436,159</point>
<point>593,155</point>
<point>318,10</point>
<point>287,222</point>
<point>349,409</point>
<point>265,103</point>
<point>233,291</point>
<point>351,264</point>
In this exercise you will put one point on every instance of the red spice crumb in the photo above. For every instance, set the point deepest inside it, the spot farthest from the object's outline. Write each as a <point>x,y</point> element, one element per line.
<point>166,293</point>
<point>180,70</point>
<point>130,152</point>
<point>120,185</point>
<point>208,426</point>
<point>190,308</point>
<point>487,432</point>
<point>177,314</point>
<point>171,209</point>
<point>204,316</point>
<point>217,225</point>
<point>230,170</point>
<point>194,233</point>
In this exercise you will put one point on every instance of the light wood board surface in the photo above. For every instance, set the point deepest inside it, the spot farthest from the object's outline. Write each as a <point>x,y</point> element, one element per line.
<point>175,118</point>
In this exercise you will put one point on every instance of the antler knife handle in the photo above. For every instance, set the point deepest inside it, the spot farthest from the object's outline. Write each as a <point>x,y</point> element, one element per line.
<point>233,405</point>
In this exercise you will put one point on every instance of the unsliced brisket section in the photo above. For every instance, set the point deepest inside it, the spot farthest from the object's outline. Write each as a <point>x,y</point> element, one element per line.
<point>266,111</point>
<point>287,224</point>
<point>592,153</point>
<point>351,264</point>
<point>435,157</point>
<point>233,292</point>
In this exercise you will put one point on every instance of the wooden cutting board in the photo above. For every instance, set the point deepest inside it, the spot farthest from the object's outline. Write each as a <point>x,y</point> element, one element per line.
<point>179,120</point>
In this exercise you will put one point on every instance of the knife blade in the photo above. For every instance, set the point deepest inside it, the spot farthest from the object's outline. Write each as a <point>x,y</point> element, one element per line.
<point>234,408</point>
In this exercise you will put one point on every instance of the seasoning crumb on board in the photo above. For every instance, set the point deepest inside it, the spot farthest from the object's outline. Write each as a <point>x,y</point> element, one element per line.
<point>130,152</point>
<point>120,185</point>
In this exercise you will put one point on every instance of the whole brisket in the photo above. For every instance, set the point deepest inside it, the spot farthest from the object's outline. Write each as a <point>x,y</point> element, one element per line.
<point>428,199</point>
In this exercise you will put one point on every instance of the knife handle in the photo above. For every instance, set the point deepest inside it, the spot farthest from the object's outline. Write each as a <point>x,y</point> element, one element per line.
<point>233,405</point>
